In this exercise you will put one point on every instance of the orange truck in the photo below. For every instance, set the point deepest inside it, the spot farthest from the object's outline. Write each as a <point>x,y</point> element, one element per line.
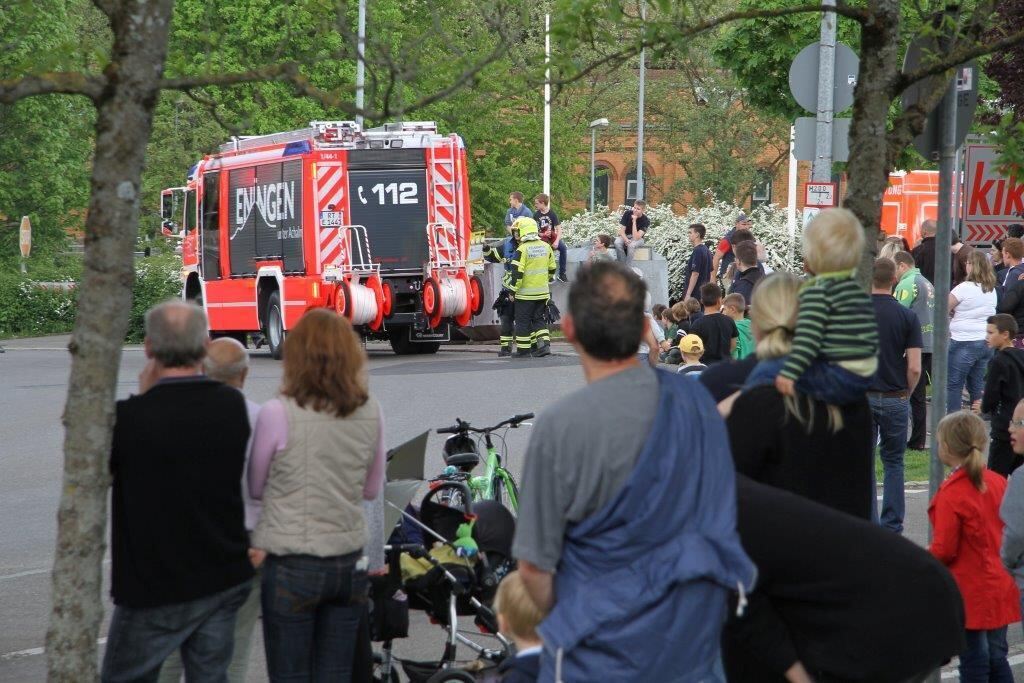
<point>911,199</point>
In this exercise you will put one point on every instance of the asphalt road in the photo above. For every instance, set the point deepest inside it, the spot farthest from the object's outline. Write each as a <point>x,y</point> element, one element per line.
<point>417,393</point>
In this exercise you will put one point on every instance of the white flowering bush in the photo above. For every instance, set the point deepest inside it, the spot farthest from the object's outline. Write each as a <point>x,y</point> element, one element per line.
<point>669,234</point>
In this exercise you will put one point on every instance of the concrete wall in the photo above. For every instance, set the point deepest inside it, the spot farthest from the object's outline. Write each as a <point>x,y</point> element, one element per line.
<point>484,327</point>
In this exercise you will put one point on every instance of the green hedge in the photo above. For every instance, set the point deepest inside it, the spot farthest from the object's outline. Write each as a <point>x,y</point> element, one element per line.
<point>27,309</point>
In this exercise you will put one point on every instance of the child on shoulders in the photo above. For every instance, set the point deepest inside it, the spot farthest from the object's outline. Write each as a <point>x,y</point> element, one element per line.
<point>835,346</point>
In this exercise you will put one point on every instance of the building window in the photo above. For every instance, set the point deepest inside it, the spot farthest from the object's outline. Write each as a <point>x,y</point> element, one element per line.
<point>762,190</point>
<point>631,186</point>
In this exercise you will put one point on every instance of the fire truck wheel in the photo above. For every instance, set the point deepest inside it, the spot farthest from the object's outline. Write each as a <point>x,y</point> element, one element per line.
<point>275,326</point>
<point>427,347</point>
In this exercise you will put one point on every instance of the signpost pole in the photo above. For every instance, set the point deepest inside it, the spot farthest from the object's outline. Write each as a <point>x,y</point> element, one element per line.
<point>940,353</point>
<point>360,63</point>
<point>640,118</point>
<point>821,171</point>
<point>791,193</point>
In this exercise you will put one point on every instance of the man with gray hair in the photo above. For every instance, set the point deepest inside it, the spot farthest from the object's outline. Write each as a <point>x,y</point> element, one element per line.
<point>227,361</point>
<point>180,568</point>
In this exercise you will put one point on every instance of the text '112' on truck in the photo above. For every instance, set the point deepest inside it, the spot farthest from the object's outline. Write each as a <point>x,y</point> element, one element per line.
<point>373,224</point>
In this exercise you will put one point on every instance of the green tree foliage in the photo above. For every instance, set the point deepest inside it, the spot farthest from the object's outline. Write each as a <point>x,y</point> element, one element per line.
<point>45,145</point>
<point>500,118</point>
<point>760,51</point>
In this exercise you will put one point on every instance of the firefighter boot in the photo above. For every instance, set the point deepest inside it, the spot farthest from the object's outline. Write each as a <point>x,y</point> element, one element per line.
<point>505,351</point>
<point>522,352</point>
<point>542,349</point>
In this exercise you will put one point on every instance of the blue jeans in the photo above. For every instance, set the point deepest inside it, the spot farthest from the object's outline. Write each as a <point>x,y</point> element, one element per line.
<point>312,612</point>
<point>823,380</point>
<point>984,659</point>
<point>968,361</point>
<point>890,421</point>
<point>563,256</point>
<point>140,639</point>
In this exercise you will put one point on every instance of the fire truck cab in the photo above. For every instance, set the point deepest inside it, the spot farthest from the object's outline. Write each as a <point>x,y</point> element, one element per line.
<point>373,224</point>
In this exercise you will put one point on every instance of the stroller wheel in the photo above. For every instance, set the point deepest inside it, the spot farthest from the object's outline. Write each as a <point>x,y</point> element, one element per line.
<point>452,676</point>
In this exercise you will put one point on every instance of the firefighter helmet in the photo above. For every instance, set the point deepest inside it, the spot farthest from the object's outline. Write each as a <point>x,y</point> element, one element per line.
<point>525,226</point>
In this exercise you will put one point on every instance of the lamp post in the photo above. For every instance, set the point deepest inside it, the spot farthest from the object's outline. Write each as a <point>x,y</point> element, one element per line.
<point>594,125</point>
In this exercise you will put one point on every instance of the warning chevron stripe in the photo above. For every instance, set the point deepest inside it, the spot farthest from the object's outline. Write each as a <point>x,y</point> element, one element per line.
<point>985,232</point>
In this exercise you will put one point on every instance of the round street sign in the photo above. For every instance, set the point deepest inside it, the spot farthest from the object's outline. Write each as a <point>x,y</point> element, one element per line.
<point>25,237</point>
<point>803,77</point>
<point>967,76</point>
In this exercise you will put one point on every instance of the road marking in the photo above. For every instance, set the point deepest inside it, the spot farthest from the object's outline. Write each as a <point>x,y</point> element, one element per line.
<point>33,651</point>
<point>33,572</point>
<point>907,492</point>
<point>1013,661</point>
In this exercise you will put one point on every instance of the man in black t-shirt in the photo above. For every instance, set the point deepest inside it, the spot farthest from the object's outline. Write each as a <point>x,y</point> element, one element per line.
<point>633,228</point>
<point>698,266</point>
<point>179,567</point>
<point>899,368</point>
<point>550,230</point>
<point>717,330</point>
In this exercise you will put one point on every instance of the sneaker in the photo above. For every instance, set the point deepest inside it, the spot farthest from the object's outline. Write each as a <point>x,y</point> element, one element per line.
<point>505,352</point>
<point>561,278</point>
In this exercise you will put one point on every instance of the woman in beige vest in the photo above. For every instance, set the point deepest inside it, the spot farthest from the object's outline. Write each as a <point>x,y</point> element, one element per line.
<point>317,454</point>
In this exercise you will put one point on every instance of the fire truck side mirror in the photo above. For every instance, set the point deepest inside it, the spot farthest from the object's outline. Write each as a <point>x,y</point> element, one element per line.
<point>170,229</point>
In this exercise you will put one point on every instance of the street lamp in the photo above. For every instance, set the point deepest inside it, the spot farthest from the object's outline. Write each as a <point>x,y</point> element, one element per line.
<point>594,125</point>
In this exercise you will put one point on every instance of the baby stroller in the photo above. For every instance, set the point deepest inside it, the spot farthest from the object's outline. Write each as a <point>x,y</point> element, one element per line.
<point>455,571</point>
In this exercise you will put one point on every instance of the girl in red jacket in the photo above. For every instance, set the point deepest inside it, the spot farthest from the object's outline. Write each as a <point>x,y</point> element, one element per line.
<point>968,532</point>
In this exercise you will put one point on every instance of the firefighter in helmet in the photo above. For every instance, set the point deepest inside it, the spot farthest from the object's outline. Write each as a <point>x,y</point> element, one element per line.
<point>504,305</point>
<point>533,268</point>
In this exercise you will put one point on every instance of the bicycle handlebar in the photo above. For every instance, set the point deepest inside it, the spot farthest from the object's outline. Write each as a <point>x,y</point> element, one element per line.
<point>461,427</point>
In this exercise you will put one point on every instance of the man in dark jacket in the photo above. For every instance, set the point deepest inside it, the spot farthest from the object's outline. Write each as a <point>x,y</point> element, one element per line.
<point>820,591</point>
<point>924,253</point>
<point>180,567</point>
<point>1004,388</point>
<point>1011,287</point>
<point>749,273</point>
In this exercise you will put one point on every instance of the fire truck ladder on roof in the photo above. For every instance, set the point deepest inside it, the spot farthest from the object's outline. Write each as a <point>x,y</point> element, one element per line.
<point>361,295</point>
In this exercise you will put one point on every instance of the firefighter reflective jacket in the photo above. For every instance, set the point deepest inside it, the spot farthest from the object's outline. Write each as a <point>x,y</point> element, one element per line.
<point>533,264</point>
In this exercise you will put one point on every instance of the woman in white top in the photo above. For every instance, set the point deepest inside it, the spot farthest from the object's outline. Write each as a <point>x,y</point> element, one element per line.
<point>971,303</point>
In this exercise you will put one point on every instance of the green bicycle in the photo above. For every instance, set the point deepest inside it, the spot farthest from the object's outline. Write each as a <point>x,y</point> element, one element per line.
<point>461,457</point>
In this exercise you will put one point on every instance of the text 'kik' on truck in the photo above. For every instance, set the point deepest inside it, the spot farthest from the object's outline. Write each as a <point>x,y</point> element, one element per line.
<point>374,224</point>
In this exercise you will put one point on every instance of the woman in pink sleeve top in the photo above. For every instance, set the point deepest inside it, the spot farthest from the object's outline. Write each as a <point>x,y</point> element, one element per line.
<point>317,455</point>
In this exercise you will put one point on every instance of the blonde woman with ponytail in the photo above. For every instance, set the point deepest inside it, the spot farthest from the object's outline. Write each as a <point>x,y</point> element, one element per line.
<point>967,536</point>
<point>798,443</point>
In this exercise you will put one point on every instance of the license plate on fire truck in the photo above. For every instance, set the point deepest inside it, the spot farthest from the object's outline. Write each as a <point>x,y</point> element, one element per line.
<point>330,219</point>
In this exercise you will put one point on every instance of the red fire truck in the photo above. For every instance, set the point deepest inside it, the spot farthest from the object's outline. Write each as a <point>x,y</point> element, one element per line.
<point>374,224</point>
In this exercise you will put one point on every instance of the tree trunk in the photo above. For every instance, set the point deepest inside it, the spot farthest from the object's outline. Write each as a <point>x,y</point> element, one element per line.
<point>868,168</point>
<point>124,118</point>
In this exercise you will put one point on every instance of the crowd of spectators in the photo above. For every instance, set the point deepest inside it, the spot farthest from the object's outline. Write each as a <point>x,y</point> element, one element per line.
<point>749,497</point>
